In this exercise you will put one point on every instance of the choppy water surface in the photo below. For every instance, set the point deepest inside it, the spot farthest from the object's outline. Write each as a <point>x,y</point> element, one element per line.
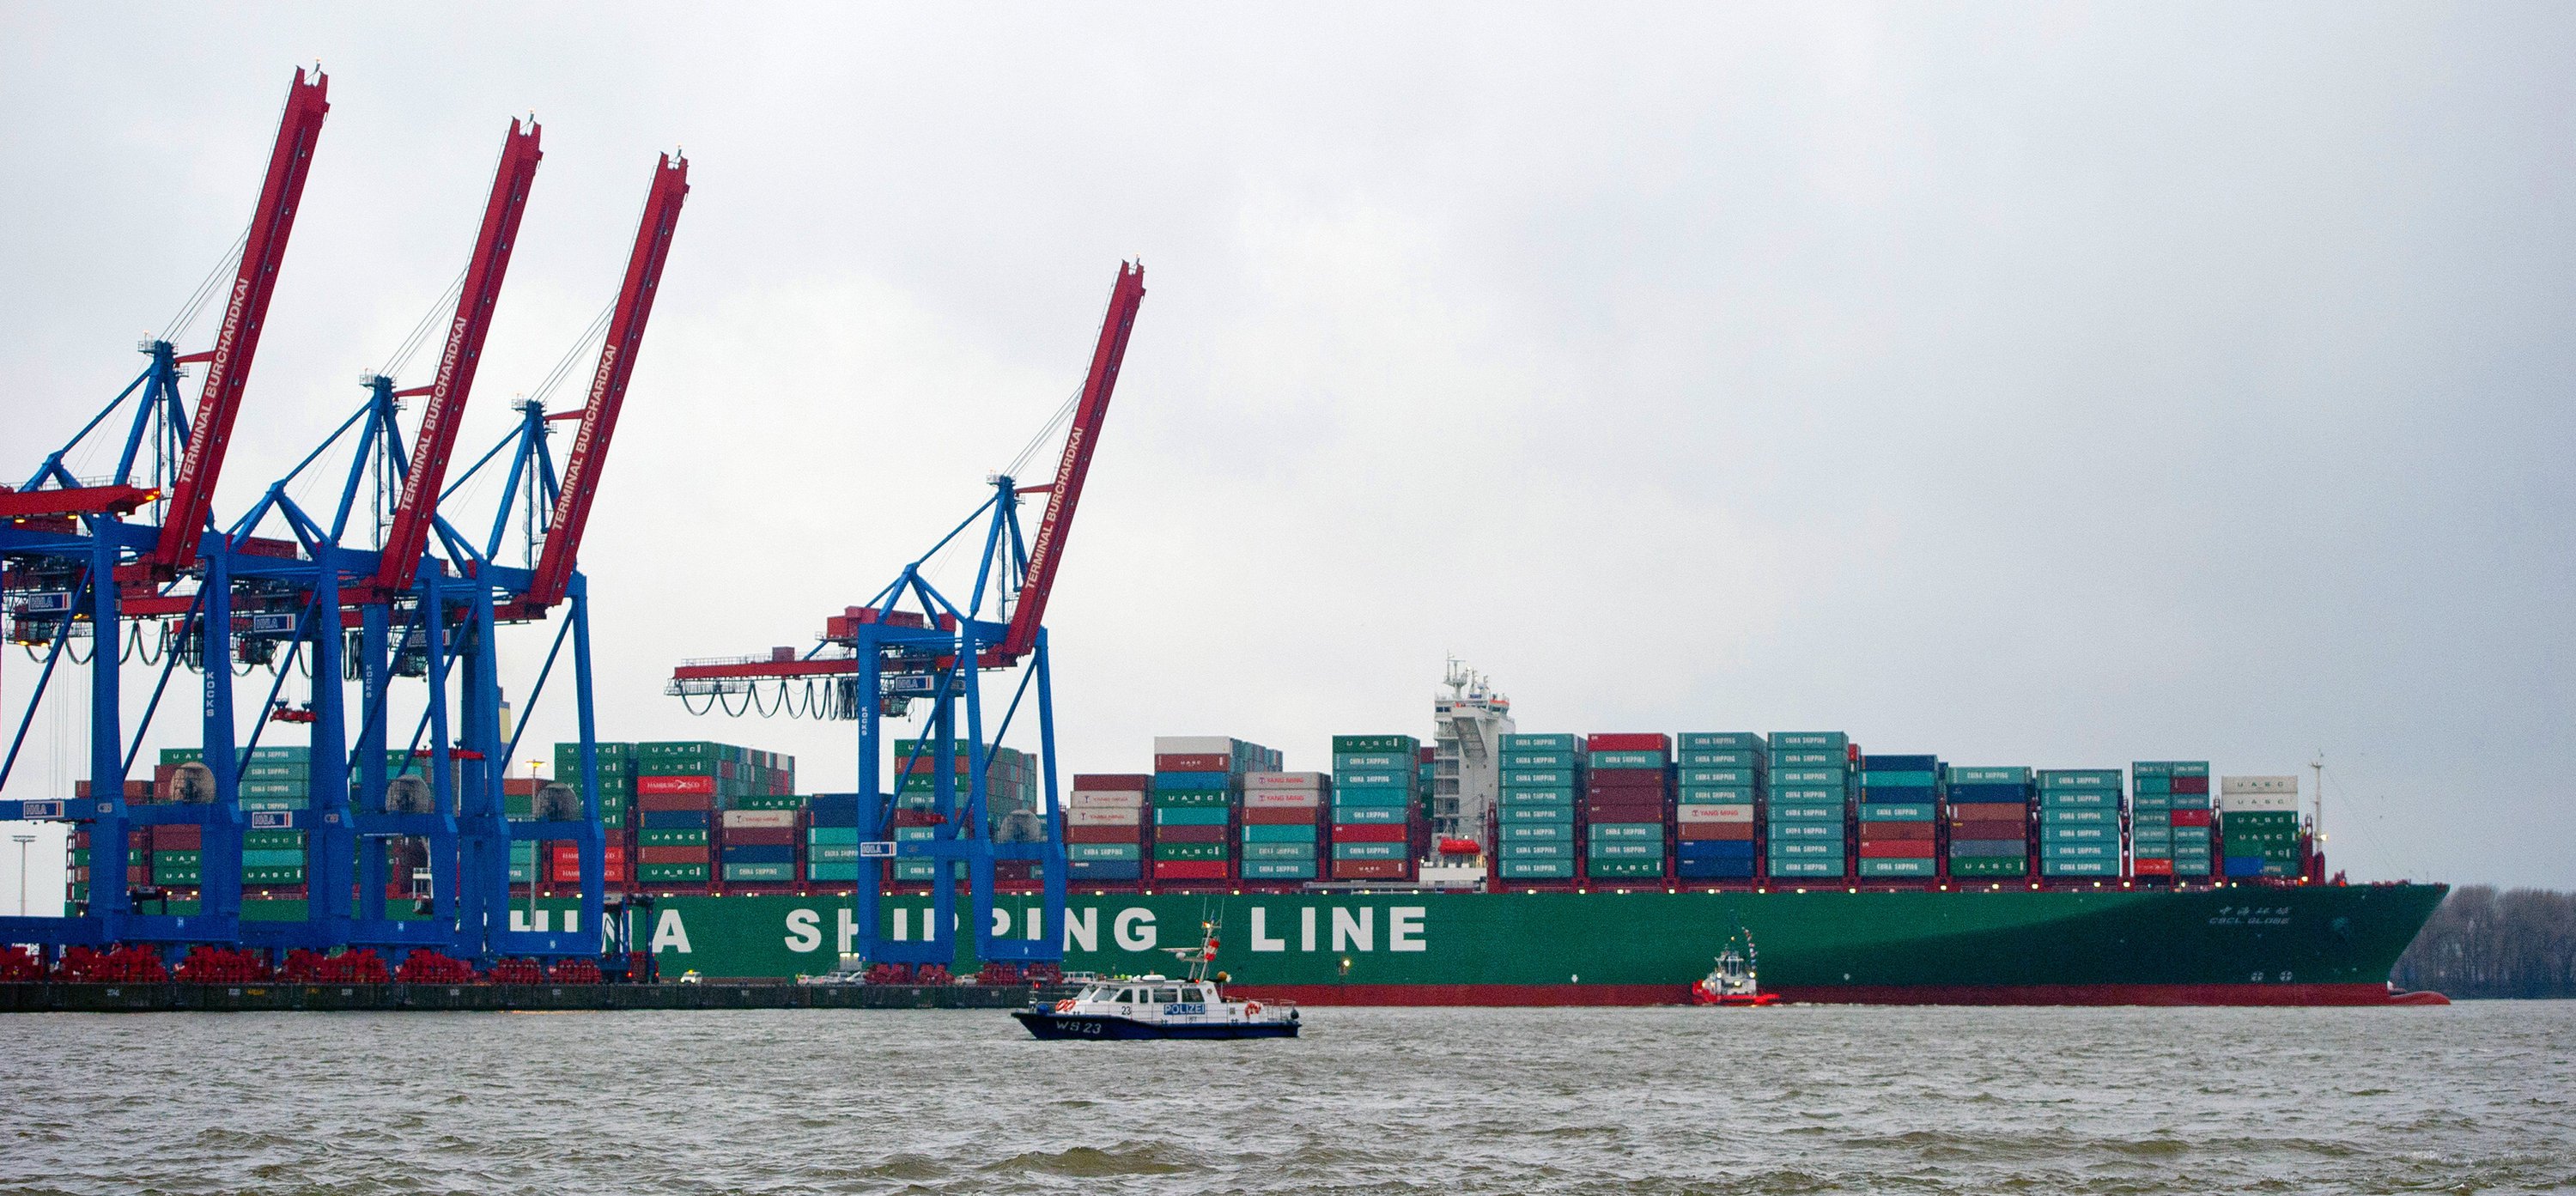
<point>2474,1098</point>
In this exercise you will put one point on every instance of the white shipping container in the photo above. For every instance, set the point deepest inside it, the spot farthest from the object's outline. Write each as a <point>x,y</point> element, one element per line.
<point>1283,780</point>
<point>1272,799</point>
<point>1104,816</point>
<point>760,819</point>
<point>1193,745</point>
<point>1720,812</point>
<point>1106,798</point>
<point>2258,803</point>
<point>2289,785</point>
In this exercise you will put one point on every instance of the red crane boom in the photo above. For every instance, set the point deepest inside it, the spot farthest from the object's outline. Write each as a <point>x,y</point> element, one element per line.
<point>192,492</point>
<point>436,439</point>
<point>589,453</point>
<point>1047,548</point>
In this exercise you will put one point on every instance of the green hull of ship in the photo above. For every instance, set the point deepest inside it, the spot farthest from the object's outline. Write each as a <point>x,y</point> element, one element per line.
<point>2245,945</point>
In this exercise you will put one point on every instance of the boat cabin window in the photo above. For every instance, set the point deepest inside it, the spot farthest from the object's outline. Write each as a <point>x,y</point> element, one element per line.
<point>1167,996</point>
<point>1127,996</point>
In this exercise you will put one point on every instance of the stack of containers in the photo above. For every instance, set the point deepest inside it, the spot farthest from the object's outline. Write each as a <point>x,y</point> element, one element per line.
<point>138,853</point>
<point>2258,823</point>
<point>676,787</point>
<point>2193,853</point>
<point>1198,787</point>
<point>1283,825</point>
<point>1989,810</point>
<point>2079,822</point>
<point>177,855</point>
<point>832,838</point>
<point>759,840</point>
<point>1009,783</point>
<point>1810,789</point>
<point>1426,771</point>
<point>1377,789</point>
<point>1104,828</point>
<point>1720,776</point>
<point>277,779</point>
<point>1534,810</point>
<point>2153,787</point>
<point>616,778</point>
<point>1627,805</point>
<point>1900,801</point>
<point>566,869</point>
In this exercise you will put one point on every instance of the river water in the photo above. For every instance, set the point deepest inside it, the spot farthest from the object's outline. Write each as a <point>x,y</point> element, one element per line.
<point>2472,1098</point>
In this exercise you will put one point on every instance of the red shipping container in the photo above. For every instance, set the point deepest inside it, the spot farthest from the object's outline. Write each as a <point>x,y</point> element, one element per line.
<point>616,852</point>
<point>1219,762</point>
<point>1370,832</point>
<point>1989,831</point>
<point>1189,834</point>
<point>1898,849</point>
<point>656,786</point>
<point>1189,869</point>
<point>1112,782</point>
<point>2190,785</point>
<point>658,802</point>
<point>519,786</point>
<point>919,818</point>
<point>2155,867</point>
<point>1629,742</point>
<point>1280,815</point>
<point>671,855</point>
<point>570,874</point>
<point>1370,869</point>
<point>1625,778</point>
<point>1102,834</point>
<point>1609,809</point>
<point>178,838</point>
<point>2189,818</point>
<point>1715,832</point>
<point>761,836</point>
<point>1888,832</point>
<point>1989,812</point>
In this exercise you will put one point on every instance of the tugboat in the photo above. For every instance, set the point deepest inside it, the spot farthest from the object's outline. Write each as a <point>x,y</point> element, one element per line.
<point>1731,982</point>
<point>1162,1007</point>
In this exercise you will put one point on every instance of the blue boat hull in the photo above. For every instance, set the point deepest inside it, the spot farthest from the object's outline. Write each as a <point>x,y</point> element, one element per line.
<point>1048,1024</point>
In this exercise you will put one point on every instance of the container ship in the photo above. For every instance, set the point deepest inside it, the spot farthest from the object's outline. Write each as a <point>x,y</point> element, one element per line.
<point>1492,867</point>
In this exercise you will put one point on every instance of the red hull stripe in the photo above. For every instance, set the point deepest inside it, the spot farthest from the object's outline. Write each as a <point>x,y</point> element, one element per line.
<point>1856,994</point>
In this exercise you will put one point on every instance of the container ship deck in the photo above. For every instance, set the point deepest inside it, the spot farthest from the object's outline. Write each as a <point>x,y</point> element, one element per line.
<point>1485,867</point>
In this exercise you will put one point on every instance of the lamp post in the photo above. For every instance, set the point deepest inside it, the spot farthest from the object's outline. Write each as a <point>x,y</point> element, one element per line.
<point>23,841</point>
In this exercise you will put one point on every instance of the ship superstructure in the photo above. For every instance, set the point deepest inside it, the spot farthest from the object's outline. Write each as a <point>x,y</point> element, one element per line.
<point>1468,725</point>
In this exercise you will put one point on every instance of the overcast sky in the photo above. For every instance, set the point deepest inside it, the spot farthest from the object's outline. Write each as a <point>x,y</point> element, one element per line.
<point>2048,385</point>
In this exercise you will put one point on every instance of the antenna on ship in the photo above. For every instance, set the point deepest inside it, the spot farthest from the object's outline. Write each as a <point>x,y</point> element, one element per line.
<point>2317,814</point>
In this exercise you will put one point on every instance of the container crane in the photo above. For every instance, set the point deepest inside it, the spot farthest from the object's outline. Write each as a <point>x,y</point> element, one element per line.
<point>436,439</point>
<point>306,591</point>
<point>876,659</point>
<point>228,364</point>
<point>67,542</point>
<point>589,455</point>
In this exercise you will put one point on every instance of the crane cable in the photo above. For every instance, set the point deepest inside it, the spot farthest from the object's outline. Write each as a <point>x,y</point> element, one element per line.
<point>195,304</point>
<point>1063,414</point>
<point>563,367</point>
<point>420,333</point>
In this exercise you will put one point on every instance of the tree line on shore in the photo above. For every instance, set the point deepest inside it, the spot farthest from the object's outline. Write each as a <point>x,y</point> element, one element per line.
<point>2481,942</point>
